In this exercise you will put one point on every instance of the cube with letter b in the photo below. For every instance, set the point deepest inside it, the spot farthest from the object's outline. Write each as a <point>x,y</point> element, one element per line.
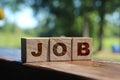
<point>81,48</point>
<point>60,48</point>
<point>34,49</point>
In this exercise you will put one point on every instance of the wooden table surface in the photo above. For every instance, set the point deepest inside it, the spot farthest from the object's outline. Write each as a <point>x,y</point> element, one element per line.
<point>70,70</point>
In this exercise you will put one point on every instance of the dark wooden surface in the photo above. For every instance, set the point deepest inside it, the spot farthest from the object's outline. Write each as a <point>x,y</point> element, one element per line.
<point>11,68</point>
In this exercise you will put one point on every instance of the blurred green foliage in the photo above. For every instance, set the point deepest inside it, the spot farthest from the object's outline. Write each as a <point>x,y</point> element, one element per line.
<point>73,18</point>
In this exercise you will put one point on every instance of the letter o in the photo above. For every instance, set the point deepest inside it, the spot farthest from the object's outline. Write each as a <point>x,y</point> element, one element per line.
<point>64,49</point>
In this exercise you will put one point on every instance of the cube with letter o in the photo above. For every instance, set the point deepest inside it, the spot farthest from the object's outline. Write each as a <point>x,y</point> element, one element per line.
<point>60,48</point>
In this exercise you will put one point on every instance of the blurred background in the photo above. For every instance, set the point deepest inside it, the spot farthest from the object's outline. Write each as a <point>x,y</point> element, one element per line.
<point>99,19</point>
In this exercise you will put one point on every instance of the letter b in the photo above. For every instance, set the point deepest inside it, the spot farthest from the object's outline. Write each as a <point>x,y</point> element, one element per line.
<point>82,49</point>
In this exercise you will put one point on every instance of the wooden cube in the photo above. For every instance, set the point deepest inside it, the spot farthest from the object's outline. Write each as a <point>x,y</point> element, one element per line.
<point>60,49</point>
<point>82,48</point>
<point>34,49</point>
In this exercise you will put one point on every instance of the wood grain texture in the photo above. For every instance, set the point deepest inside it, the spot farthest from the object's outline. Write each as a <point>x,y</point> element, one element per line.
<point>82,48</point>
<point>96,70</point>
<point>60,48</point>
<point>34,49</point>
